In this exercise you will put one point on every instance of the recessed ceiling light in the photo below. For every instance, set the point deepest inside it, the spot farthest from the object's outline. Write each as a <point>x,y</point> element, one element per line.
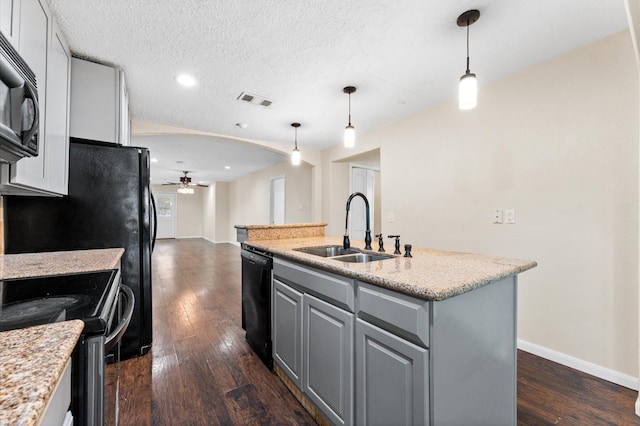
<point>186,80</point>
<point>227,167</point>
<point>154,160</point>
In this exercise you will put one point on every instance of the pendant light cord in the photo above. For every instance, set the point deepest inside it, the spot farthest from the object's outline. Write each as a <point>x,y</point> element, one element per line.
<point>468,24</point>
<point>296,137</point>
<point>349,109</point>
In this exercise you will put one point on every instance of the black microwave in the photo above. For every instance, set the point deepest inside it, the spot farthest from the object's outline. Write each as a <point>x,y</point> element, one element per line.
<point>19,112</point>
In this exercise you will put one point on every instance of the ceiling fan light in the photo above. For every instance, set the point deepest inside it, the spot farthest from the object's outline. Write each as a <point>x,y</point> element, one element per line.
<point>349,136</point>
<point>185,190</point>
<point>468,91</point>
<point>295,157</point>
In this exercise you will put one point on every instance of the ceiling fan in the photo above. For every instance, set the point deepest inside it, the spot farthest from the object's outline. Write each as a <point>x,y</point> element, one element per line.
<point>186,187</point>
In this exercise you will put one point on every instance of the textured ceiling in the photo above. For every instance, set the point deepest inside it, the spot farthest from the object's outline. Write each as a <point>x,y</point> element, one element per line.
<point>402,55</point>
<point>204,157</point>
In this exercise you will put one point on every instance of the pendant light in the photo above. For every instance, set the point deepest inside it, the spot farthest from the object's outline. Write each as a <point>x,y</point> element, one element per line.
<point>468,90</point>
<point>295,155</point>
<point>349,131</point>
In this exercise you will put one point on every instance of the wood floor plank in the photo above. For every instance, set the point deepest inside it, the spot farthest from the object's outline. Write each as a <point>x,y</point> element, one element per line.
<point>201,370</point>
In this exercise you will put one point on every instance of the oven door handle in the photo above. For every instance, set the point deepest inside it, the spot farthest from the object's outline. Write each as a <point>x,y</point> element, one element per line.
<point>116,334</point>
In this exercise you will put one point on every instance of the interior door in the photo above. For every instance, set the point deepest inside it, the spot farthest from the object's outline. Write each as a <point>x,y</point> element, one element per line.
<point>362,180</point>
<point>277,200</point>
<point>166,210</point>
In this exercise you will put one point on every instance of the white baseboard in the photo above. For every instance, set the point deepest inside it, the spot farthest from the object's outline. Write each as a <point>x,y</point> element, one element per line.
<point>200,237</point>
<point>581,365</point>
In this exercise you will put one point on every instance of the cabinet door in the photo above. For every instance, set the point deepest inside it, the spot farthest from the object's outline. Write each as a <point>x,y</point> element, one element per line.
<point>287,330</point>
<point>56,120</point>
<point>124,124</point>
<point>34,36</point>
<point>392,379</point>
<point>10,20</point>
<point>328,349</point>
<point>95,94</point>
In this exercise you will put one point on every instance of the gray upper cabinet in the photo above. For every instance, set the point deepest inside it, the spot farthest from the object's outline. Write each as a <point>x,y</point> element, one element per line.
<point>99,103</point>
<point>10,20</point>
<point>35,34</point>
<point>328,352</point>
<point>56,119</point>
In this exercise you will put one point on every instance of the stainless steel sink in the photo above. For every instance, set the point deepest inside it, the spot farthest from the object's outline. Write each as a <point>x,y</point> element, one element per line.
<point>327,251</point>
<point>362,257</point>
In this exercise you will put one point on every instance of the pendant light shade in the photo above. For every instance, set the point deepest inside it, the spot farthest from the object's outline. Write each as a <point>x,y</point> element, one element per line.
<point>349,131</point>
<point>349,136</point>
<point>468,89</point>
<point>295,155</point>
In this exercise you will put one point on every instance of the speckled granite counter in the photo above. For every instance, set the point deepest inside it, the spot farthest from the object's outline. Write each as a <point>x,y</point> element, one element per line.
<point>58,263</point>
<point>31,362</point>
<point>275,232</point>
<point>430,274</point>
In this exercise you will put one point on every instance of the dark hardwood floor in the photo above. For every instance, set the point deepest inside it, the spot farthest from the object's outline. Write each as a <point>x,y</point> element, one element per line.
<point>202,372</point>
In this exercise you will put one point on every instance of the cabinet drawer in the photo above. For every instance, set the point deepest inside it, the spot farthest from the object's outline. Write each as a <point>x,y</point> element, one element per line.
<point>397,313</point>
<point>333,288</point>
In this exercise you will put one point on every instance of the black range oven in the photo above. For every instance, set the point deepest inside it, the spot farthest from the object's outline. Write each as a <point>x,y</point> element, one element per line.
<point>103,303</point>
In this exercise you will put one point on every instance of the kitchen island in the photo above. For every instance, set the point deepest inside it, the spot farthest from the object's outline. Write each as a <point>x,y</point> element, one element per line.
<point>428,339</point>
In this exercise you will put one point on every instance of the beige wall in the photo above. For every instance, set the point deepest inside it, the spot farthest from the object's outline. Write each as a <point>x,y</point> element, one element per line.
<point>249,196</point>
<point>224,228</point>
<point>559,144</point>
<point>212,212</point>
<point>209,212</point>
<point>189,210</point>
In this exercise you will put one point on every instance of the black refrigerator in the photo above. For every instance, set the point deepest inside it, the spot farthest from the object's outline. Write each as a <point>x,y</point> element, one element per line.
<point>109,205</point>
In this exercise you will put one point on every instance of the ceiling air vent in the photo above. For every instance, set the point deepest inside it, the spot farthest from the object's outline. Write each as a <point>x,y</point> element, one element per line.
<point>254,99</point>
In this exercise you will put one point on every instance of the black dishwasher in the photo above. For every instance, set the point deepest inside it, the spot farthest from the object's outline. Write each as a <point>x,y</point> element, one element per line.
<point>257,268</point>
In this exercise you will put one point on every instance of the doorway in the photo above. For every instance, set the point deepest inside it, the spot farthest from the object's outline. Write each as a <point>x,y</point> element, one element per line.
<point>363,179</point>
<point>166,210</point>
<point>277,200</point>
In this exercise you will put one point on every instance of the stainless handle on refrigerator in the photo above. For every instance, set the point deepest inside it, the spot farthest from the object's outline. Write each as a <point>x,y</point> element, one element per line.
<point>116,334</point>
<point>155,222</point>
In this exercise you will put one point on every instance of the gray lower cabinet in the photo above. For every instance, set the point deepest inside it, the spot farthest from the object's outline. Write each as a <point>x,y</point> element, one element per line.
<point>287,330</point>
<point>368,355</point>
<point>328,352</point>
<point>392,379</point>
<point>313,332</point>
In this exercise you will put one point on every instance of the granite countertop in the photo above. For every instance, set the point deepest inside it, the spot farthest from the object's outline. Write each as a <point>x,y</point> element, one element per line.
<point>430,274</point>
<point>31,363</point>
<point>284,226</point>
<point>58,263</point>
<point>33,359</point>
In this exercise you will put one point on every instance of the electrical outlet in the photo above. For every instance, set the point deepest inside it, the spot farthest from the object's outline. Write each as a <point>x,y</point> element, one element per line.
<point>390,217</point>
<point>497,216</point>
<point>510,216</point>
